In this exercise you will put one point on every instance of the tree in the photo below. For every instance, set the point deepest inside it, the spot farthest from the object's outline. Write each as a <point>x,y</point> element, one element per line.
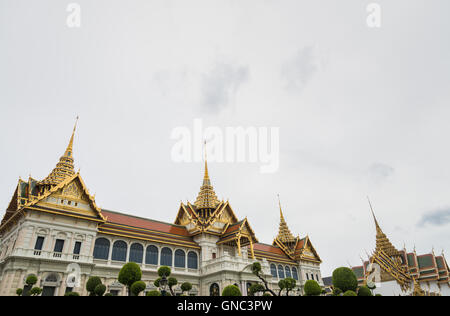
<point>35,291</point>
<point>231,290</point>
<point>186,287</point>
<point>364,291</point>
<point>337,292</point>
<point>378,295</point>
<point>255,288</point>
<point>109,294</point>
<point>282,286</point>
<point>164,271</point>
<point>345,279</point>
<point>171,282</point>
<point>31,280</point>
<point>350,293</point>
<point>19,292</point>
<point>100,289</point>
<point>312,288</point>
<point>256,270</point>
<point>92,283</point>
<point>153,293</point>
<point>137,287</point>
<point>290,285</point>
<point>130,273</point>
<point>72,294</point>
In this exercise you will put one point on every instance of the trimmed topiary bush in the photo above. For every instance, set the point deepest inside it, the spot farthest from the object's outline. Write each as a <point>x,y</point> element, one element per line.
<point>91,284</point>
<point>100,289</point>
<point>186,287</point>
<point>350,293</point>
<point>336,292</point>
<point>153,293</point>
<point>267,294</point>
<point>255,288</point>
<point>137,287</point>
<point>35,291</point>
<point>164,271</point>
<point>345,279</point>
<point>312,288</point>
<point>72,294</point>
<point>231,290</point>
<point>364,291</point>
<point>19,291</point>
<point>31,280</point>
<point>130,273</point>
<point>378,295</point>
<point>109,294</point>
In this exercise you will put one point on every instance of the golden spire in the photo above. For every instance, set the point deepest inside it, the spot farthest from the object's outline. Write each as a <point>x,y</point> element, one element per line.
<point>382,242</point>
<point>284,234</point>
<point>65,167</point>
<point>206,198</point>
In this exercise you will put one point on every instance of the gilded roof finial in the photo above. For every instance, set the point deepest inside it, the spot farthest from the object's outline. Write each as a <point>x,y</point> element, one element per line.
<point>382,242</point>
<point>65,167</point>
<point>284,234</point>
<point>206,198</point>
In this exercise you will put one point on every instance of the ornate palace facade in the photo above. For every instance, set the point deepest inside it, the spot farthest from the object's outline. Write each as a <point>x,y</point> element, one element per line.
<point>53,228</point>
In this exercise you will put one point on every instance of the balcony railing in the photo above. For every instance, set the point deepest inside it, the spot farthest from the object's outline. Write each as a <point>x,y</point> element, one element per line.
<point>20,252</point>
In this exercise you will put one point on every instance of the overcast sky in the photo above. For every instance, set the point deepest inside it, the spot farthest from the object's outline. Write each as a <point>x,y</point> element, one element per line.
<point>361,111</point>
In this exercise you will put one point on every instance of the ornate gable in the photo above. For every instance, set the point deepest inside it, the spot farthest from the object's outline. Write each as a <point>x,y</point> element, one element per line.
<point>70,196</point>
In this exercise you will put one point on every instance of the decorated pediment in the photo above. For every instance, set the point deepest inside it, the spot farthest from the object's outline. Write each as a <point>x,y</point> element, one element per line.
<point>70,196</point>
<point>307,251</point>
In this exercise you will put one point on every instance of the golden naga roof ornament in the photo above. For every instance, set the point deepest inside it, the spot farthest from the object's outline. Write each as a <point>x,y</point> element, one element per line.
<point>206,198</point>
<point>65,167</point>
<point>284,234</point>
<point>382,242</point>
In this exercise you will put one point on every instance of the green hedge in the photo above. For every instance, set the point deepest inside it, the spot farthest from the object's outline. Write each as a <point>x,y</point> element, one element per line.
<point>231,290</point>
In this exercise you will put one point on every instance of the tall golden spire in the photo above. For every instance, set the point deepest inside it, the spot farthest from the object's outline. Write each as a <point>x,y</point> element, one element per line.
<point>206,198</point>
<point>284,234</point>
<point>65,167</point>
<point>382,242</point>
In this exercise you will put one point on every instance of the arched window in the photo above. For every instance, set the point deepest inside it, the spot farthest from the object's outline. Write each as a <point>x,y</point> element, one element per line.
<point>214,290</point>
<point>280,272</point>
<point>136,253</point>
<point>119,252</point>
<point>288,272</point>
<point>273,270</point>
<point>101,249</point>
<point>192,260</point>
<point>180,259</point>
<point>294,273</point>
<point>151,255</point>
<point>166,257</point>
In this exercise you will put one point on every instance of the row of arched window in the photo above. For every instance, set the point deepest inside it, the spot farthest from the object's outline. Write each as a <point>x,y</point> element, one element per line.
<point>283,272</point>
<point>152,256</point>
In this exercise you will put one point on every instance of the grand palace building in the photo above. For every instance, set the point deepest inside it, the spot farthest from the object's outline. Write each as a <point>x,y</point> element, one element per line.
<point>54,229</point>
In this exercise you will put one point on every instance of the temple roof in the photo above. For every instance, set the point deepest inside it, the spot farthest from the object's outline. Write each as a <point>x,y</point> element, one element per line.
<point>284,234</point>
<point>134,227</point>
<point>382,241</point>
<point>64,168</point>
<point>206,198</point>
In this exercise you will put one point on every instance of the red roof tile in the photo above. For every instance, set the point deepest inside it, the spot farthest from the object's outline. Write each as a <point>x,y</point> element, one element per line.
<point>128,220</point>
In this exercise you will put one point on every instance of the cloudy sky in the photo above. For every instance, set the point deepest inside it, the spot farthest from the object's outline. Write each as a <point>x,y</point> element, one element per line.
<point>361,111</point>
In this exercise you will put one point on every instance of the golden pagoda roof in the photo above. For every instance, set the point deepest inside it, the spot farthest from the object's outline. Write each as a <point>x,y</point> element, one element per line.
<point>206,198</point>
<point>382,241</point>
<point>64,168</point>
<point>284,234</point>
